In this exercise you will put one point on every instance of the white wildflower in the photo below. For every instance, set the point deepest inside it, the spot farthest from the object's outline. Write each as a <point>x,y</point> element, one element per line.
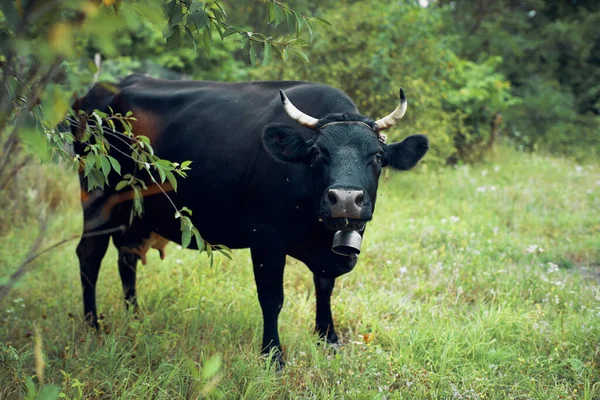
<point>552,268</point>
<point>32,194</point>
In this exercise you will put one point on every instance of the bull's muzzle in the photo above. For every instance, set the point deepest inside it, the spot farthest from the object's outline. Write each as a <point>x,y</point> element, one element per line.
<point>347,243</point>
<point>346,203</point>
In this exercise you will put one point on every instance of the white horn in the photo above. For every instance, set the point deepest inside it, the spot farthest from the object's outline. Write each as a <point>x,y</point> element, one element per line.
<point>395,116</point>
<point>297,115</point>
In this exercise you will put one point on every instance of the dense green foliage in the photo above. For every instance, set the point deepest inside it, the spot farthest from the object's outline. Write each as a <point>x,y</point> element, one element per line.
<point>376,48</point>
<point>473,283</point>
<point>551,55</point>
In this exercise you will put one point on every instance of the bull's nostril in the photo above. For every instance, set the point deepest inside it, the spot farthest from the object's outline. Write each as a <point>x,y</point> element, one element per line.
<point>332,197</point>
<point>359,199</point>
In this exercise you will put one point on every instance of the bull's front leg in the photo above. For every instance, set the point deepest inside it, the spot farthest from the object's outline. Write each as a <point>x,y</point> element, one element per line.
<point>269,262</point>
<point>324,320</point>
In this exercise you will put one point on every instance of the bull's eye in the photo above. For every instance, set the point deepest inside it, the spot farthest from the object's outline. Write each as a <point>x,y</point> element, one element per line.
<point>378,158</point>
<point>314,154</point>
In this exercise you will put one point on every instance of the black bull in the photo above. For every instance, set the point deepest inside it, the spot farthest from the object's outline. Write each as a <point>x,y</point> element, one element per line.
<point>259,180</point>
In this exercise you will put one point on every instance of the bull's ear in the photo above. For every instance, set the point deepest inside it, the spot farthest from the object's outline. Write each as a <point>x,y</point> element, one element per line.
<point>407,153</point>
<point>285,144</point>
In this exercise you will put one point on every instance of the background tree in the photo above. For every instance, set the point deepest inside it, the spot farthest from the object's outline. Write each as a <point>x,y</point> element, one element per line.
<point>550,53</point>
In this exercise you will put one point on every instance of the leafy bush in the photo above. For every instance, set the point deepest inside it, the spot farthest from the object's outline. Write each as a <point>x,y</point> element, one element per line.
<point>376,48</point>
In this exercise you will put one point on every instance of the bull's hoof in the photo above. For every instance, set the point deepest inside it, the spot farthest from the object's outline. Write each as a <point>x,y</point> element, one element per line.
<point>91,321</point>
<point>333,347</point>
<point>275,359</point>
<point>329,340</point>
<point>327,336</point>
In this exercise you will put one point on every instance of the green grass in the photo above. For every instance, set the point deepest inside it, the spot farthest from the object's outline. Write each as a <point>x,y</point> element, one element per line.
<point>474,282</point>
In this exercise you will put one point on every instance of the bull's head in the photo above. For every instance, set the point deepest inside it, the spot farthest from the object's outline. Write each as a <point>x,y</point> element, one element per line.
<point>346,157</point>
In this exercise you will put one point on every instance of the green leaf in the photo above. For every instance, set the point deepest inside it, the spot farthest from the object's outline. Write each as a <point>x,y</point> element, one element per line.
<point>49,393</point>
<point>174,41</point>
<point>322,21</point>
<point>279,14</point>
<point>167,33</point>
<point>299,24</point>
<point>211,366</point>
<point>172,180</point>
<point>137,200</point>
<point>196,6</point>
<point>121,185</point>
<point>199,241</point>
<point>88,164</point>
<point>229,31</point>
<point>176,15</point>
<point>186,236</point>
<point>185,164</point>
<point>199,19</point>
<point>301,54</point>
<point>187,210</point>
<point>206,41</point>
<point>95,179</point>
<point>310,32</point>
<point>105,166</point>
<point>267,53</point>
<point>291,21</point>
<point>10,13</point>
<point>31,389</point>
<point>252,54</point>
<point>115,164</point>
<point>167,165</point>
<point>162,174</point>
<point>271,11</point>
<point>226,253</point>
<point>170,6</point>
<point>210,255</point>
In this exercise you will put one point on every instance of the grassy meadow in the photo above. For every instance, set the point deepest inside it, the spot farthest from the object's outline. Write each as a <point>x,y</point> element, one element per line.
<point>475,282</point>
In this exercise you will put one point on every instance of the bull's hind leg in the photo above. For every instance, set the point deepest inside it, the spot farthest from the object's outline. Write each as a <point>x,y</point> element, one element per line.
<point>90,251</point>
<point>324,320</point>
<point>127,271</point>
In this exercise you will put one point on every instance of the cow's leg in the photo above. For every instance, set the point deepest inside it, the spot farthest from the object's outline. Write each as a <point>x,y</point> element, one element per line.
<point>127,271</point>
<point>269,263</point>
<point>90,251</point>
<point>324,321</point>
